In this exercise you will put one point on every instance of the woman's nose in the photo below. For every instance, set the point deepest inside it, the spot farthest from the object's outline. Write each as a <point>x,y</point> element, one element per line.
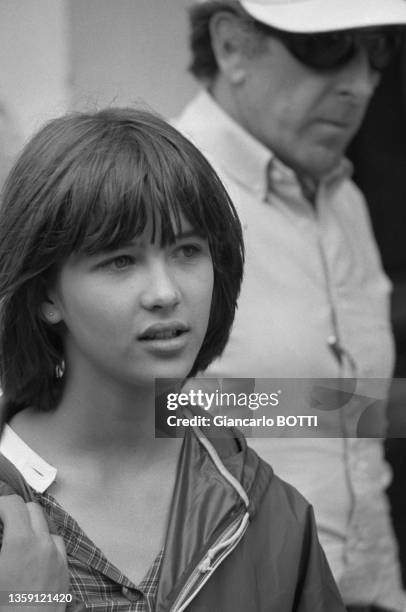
<point>161,290</point>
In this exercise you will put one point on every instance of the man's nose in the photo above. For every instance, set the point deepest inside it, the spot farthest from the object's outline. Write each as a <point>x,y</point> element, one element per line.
<point>357,78</point>
<point>161,290</point>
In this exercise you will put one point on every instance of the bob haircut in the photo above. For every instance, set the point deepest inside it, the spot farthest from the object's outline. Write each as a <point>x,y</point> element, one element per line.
<point>88,183</point>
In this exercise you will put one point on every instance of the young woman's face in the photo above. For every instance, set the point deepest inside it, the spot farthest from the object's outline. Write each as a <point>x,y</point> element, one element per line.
<point>139,312</point>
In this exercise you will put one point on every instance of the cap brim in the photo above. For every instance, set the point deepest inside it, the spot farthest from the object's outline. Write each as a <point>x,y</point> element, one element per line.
<point>325,16</point>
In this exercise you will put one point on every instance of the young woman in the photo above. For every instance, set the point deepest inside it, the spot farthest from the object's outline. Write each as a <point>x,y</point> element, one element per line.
<point>120,263</point>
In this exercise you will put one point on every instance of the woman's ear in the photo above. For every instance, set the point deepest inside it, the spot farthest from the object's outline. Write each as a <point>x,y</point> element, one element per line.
<point>228,40</point>
<point>50,312</point>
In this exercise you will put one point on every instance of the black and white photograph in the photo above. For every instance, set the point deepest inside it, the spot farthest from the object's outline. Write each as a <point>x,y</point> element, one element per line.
<point>203,305</point>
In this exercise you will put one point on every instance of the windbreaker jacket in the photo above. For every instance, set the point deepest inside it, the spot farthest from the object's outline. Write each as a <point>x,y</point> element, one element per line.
<point>239,539</point>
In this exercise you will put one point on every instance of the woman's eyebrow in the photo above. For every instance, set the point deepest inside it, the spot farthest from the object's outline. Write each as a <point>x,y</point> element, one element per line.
<point>192,233</point>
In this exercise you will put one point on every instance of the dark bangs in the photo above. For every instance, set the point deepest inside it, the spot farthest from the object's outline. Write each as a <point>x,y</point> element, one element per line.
<point>128,179</point>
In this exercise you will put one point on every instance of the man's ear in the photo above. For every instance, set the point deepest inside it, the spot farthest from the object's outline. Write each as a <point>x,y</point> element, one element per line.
<point>228,43</point>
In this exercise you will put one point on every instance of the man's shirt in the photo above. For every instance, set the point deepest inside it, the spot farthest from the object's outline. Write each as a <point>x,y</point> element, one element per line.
<point>314,304</point>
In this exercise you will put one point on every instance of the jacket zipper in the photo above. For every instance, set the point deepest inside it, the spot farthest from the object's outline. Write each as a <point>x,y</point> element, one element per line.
<point>206,567</point>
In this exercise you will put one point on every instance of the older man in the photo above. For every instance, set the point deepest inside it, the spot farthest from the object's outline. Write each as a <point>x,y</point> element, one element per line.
<point>286,86</point>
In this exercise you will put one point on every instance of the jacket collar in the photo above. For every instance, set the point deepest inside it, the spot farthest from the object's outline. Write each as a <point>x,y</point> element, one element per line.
<point>210,513</point>
<point>36,471</point>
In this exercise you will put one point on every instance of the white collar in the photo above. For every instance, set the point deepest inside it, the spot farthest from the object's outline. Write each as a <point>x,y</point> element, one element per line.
<point>219,136</point>
<point>37,472</point>
<point>229,145</point>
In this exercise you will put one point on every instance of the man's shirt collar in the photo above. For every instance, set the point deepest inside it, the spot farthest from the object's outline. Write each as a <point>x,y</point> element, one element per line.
<point>235,149</point>
<point>250,163</point>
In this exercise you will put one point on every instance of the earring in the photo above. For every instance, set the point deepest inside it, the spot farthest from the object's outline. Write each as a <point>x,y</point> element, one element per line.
<point>60,369</point>
<point>50,314</point>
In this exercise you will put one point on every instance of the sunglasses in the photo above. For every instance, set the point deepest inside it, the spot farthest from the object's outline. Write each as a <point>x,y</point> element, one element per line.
<point>330,50</point>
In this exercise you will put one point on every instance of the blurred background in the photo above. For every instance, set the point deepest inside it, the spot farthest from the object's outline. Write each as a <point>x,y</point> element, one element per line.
<point>57,55</point>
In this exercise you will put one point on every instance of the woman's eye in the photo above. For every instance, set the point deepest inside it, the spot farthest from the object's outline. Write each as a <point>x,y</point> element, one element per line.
<point>119,263</point>
<point>188,250</point>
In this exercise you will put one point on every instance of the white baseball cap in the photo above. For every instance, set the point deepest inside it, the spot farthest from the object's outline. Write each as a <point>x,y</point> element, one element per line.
<point>326,15</point>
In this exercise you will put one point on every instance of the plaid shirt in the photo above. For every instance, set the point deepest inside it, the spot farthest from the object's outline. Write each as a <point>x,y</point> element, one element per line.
<point>95,583</point>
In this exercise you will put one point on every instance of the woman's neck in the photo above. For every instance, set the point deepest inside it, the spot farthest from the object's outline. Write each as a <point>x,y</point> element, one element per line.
<point>97,417</point>
<point>106,417</point>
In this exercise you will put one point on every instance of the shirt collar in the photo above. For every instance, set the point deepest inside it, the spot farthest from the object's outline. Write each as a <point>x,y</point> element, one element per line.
<point>233,148</point>
<point>242,155</point>
<point>37,472</point>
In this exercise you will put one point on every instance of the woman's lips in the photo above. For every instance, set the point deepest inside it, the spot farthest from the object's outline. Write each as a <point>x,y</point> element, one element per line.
<point>165,337</point>
<point>163,330</point>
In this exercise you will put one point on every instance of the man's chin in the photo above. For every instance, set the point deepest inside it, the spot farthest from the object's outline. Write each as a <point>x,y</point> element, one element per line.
<point>321,165</point>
